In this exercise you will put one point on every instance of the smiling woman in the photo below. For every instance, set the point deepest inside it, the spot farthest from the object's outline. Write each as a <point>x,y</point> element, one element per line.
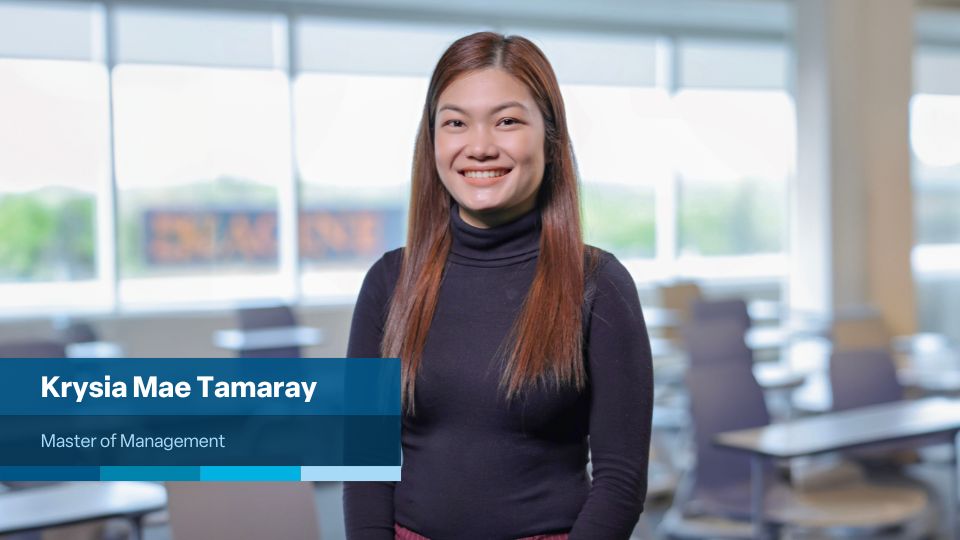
<point>524,352</point>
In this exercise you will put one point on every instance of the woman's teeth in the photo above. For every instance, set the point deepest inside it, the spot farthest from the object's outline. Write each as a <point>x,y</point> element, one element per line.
<point>485,174</point>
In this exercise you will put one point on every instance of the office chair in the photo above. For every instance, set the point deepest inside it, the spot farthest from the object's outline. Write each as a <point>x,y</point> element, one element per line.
<point>720,341</point>
<point>74,331</point>
<point>265,317</point>
<point>732,310</point>
<point>262,318</point>
<point>859,378</point>
<point>710,342</point>
<point>859,333</point>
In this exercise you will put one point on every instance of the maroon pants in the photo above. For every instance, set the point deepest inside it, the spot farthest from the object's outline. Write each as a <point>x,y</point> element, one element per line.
<point>402,533</point>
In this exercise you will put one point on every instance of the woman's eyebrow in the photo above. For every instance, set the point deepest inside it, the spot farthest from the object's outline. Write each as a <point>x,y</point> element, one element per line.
<point>507,105</point>
<point>495,110</point>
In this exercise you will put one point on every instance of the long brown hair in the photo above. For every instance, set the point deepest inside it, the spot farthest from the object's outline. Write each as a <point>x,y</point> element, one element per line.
<point>546,343</point>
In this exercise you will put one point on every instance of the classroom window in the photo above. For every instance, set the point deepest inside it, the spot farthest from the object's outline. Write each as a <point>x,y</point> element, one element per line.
<point>736,147</point>
<point>203,150</point>
<point>54,155</point>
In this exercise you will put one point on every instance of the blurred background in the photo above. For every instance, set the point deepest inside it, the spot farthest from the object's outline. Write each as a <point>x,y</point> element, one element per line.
<point>187,157</point>
<point>164,164</point>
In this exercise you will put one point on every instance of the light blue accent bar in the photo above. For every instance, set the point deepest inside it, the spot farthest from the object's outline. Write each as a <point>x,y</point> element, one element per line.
<point>350,473</point>
<point>158,473</point>
<point>250,474</point>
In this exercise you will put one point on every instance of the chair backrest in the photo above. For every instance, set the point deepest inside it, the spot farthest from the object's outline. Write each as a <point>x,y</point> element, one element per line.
<point>859,333</point>
<point>229,510</point>
<point>862,378</point>
<point>77,332</point>
<point>33,349</point>
<point>733,309</point>
<point>723,398</point>
<point>716,342</point>
<point>262,318</point>
<point>679,298</point>
<point>265,317</point>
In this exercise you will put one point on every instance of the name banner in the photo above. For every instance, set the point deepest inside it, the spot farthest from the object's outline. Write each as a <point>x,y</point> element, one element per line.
<point>200,419</point>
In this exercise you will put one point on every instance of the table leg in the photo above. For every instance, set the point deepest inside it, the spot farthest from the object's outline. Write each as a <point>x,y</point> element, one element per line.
<point>757,496</point>
<point>137,522</point>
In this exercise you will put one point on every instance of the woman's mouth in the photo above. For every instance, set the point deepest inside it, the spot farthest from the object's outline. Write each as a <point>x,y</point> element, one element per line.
<point>484,178</point>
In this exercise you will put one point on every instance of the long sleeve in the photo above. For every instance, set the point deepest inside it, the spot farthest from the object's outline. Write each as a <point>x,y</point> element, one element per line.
<point>621,384</point>
<point>368,506</point>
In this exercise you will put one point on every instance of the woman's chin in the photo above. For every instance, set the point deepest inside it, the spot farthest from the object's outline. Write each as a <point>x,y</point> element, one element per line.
<point>480,206</point>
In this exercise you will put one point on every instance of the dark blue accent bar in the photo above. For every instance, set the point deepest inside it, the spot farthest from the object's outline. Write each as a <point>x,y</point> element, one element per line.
<point>49,473</point>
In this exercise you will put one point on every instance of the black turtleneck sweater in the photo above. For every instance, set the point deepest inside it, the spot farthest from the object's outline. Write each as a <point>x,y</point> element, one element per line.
<point>476,467</point>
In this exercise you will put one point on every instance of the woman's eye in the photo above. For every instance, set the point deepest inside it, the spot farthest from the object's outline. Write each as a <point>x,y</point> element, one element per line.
<point>454,123</point>
<point>509,122</point>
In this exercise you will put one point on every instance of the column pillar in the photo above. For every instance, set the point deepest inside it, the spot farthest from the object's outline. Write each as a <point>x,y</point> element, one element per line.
<point>852,210</point>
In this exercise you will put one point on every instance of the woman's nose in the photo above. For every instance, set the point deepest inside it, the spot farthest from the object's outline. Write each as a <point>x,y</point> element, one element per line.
<point>482,145</point>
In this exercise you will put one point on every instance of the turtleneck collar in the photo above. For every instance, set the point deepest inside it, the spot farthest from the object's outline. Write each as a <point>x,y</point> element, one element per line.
<point>509,243</point>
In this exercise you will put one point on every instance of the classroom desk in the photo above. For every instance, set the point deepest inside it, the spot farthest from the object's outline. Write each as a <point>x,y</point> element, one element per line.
<point>94,349</point>
<point>758,338</point>
<point>267,338</point>
<point>763,338</point>
<point>71,503</point>
<point>657,317</point>
<point>670,363</point>
<point>842,430</point>
<point>922,343</point>
<point>928,372</point>
<point>776,376</point>
<point>662,347</point>
<point>761,311</point>
<point>767,338</point>
<point>944,381</point>
<point>777,338</point>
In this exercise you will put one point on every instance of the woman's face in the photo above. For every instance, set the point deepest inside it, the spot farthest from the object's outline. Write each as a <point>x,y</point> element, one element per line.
<point>489,141</point>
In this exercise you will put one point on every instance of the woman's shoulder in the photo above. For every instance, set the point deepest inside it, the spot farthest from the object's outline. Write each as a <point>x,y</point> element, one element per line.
<point>611,290</point>
<point>390,262</point>
<point>383,274</point>
<point>604,267</point>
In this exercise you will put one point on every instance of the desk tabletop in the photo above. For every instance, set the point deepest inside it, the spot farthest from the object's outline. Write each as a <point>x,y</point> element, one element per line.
<point>76,502</point>
<point>777,377</point>
<point>847,429</point>
<point>767,338</point>
<point>656,317</point>
<point>94,349</point>
<point>268,338</point>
